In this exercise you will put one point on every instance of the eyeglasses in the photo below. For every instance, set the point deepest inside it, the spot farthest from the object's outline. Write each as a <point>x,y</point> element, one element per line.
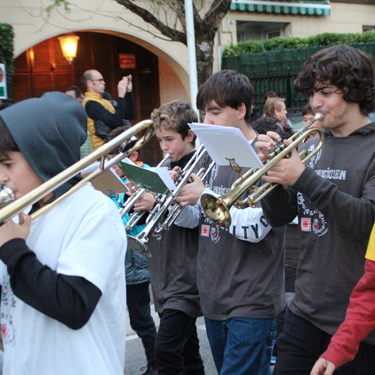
<point>99,79</point>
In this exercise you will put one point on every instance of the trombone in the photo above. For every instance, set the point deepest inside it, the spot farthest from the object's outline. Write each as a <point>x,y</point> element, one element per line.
<point>6,195</point>
<point>129,204</point>
<point>217,208</point>
<point>49,186</point>
<point>139,243</point>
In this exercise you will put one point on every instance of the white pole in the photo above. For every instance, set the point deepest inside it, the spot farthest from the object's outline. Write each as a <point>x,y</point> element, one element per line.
<point>190,33</point>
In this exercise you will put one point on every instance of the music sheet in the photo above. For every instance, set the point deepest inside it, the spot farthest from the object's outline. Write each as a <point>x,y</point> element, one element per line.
<point>155,180</point>
<point>226,143</point>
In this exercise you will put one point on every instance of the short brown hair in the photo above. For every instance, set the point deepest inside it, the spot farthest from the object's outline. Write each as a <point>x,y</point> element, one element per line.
<point>127,145</point>
<point>227,88</point>
<point>176,116</point>
<point>348,68</point>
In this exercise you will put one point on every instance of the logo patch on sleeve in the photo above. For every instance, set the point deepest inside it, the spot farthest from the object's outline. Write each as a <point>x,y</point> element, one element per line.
<point>205,230</point>
<point>306,224</point>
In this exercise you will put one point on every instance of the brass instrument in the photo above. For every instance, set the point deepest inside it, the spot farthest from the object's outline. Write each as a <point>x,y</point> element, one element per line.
<point>129,204</point>
<point>217,208</point>
<point>6,195</point>
<point>176,210</point>
<point>49,186</point>
<point>139,242</point>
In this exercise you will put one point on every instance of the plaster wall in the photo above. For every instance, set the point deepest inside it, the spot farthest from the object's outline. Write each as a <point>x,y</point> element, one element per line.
<point>32,24</point>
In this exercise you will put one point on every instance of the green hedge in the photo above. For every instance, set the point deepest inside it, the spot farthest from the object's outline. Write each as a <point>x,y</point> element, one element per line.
<point>278,62</point>
<point>7,52</point>
<point>275,63</point>
<point>321,40</point>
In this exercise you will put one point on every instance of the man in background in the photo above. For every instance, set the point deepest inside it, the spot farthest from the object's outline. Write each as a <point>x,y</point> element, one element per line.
<point>102,115</point>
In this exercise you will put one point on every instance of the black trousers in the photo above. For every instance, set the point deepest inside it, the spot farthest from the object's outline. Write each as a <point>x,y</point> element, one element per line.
<point>138,301</point>
<point>301,344</point>
<point>177,345</point>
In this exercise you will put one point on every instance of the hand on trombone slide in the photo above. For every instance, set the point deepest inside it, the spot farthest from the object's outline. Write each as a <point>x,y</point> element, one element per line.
<point>10,230</point>
<point>287,170</point>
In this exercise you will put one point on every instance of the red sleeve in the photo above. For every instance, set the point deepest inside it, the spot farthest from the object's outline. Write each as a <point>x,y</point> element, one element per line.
<point>359,320</point>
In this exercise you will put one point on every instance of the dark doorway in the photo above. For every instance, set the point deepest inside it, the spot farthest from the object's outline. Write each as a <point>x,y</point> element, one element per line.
<point>43,68</point>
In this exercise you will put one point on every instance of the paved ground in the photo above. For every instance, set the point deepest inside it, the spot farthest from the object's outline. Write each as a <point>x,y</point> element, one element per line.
<point>135,357</point>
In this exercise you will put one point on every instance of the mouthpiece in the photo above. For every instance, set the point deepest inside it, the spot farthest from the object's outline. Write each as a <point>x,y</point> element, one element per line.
<point>6,195</point>
<point>318,117</point>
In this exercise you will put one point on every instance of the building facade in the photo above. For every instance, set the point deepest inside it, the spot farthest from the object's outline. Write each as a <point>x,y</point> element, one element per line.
<point>117,42</point>
<point>255,19</point>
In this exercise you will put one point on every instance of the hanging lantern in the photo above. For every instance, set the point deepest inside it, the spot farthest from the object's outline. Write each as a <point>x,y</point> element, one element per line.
<point>69,44</point>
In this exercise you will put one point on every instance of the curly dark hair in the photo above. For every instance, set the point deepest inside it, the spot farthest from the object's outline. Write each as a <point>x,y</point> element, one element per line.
<point>348,68</point>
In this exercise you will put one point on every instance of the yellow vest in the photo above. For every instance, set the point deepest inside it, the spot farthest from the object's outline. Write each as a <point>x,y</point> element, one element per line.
<point>96,141</point>
<point>370,254</point>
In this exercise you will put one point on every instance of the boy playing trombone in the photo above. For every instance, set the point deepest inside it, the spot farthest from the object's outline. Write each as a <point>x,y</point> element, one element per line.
<point>172,266</point>
<point>62,275</point>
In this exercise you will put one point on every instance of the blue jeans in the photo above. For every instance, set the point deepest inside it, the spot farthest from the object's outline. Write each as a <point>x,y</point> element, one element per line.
<point>241,346</point>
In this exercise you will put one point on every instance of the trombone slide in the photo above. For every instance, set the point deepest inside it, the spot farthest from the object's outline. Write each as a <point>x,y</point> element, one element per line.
<point>139,243</point>
<point>49,186</point>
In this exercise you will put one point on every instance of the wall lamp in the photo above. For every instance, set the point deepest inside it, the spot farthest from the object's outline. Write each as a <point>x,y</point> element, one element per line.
<point>69,44</point>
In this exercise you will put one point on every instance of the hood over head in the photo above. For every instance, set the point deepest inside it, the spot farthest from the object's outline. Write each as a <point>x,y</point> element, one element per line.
<point>49,131</point>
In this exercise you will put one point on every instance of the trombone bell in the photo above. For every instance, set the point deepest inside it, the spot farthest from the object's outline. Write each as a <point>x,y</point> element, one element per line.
<point>138,246</point>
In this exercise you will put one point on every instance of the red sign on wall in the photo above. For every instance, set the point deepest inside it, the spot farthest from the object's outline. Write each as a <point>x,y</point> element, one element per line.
<point>127,61</point>
<point>1,74</point>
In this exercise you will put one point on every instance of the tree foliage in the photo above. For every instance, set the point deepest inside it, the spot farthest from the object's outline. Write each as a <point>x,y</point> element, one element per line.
<point>7,46</point>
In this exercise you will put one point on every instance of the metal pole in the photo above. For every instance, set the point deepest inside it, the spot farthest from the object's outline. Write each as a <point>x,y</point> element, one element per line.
<point>190,33</point>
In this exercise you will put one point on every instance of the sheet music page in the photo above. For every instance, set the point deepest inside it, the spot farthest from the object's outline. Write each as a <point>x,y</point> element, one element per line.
<point>223,143</point>
<point>118,178</point>
<point>107,182</point>
<point>156,180</point>
<point>96,165</point>
<point>163,173</point>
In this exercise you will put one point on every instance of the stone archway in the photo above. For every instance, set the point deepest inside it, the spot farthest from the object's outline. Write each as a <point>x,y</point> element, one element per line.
<point>43,68</point>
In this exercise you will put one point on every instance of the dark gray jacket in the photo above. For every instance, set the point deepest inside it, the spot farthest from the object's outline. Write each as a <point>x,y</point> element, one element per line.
<point>335,202</point>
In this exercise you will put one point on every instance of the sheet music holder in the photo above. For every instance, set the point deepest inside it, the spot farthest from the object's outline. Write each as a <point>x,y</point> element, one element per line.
<point>108,182</point>
<point>156,180</point>
<point>226,143</point>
